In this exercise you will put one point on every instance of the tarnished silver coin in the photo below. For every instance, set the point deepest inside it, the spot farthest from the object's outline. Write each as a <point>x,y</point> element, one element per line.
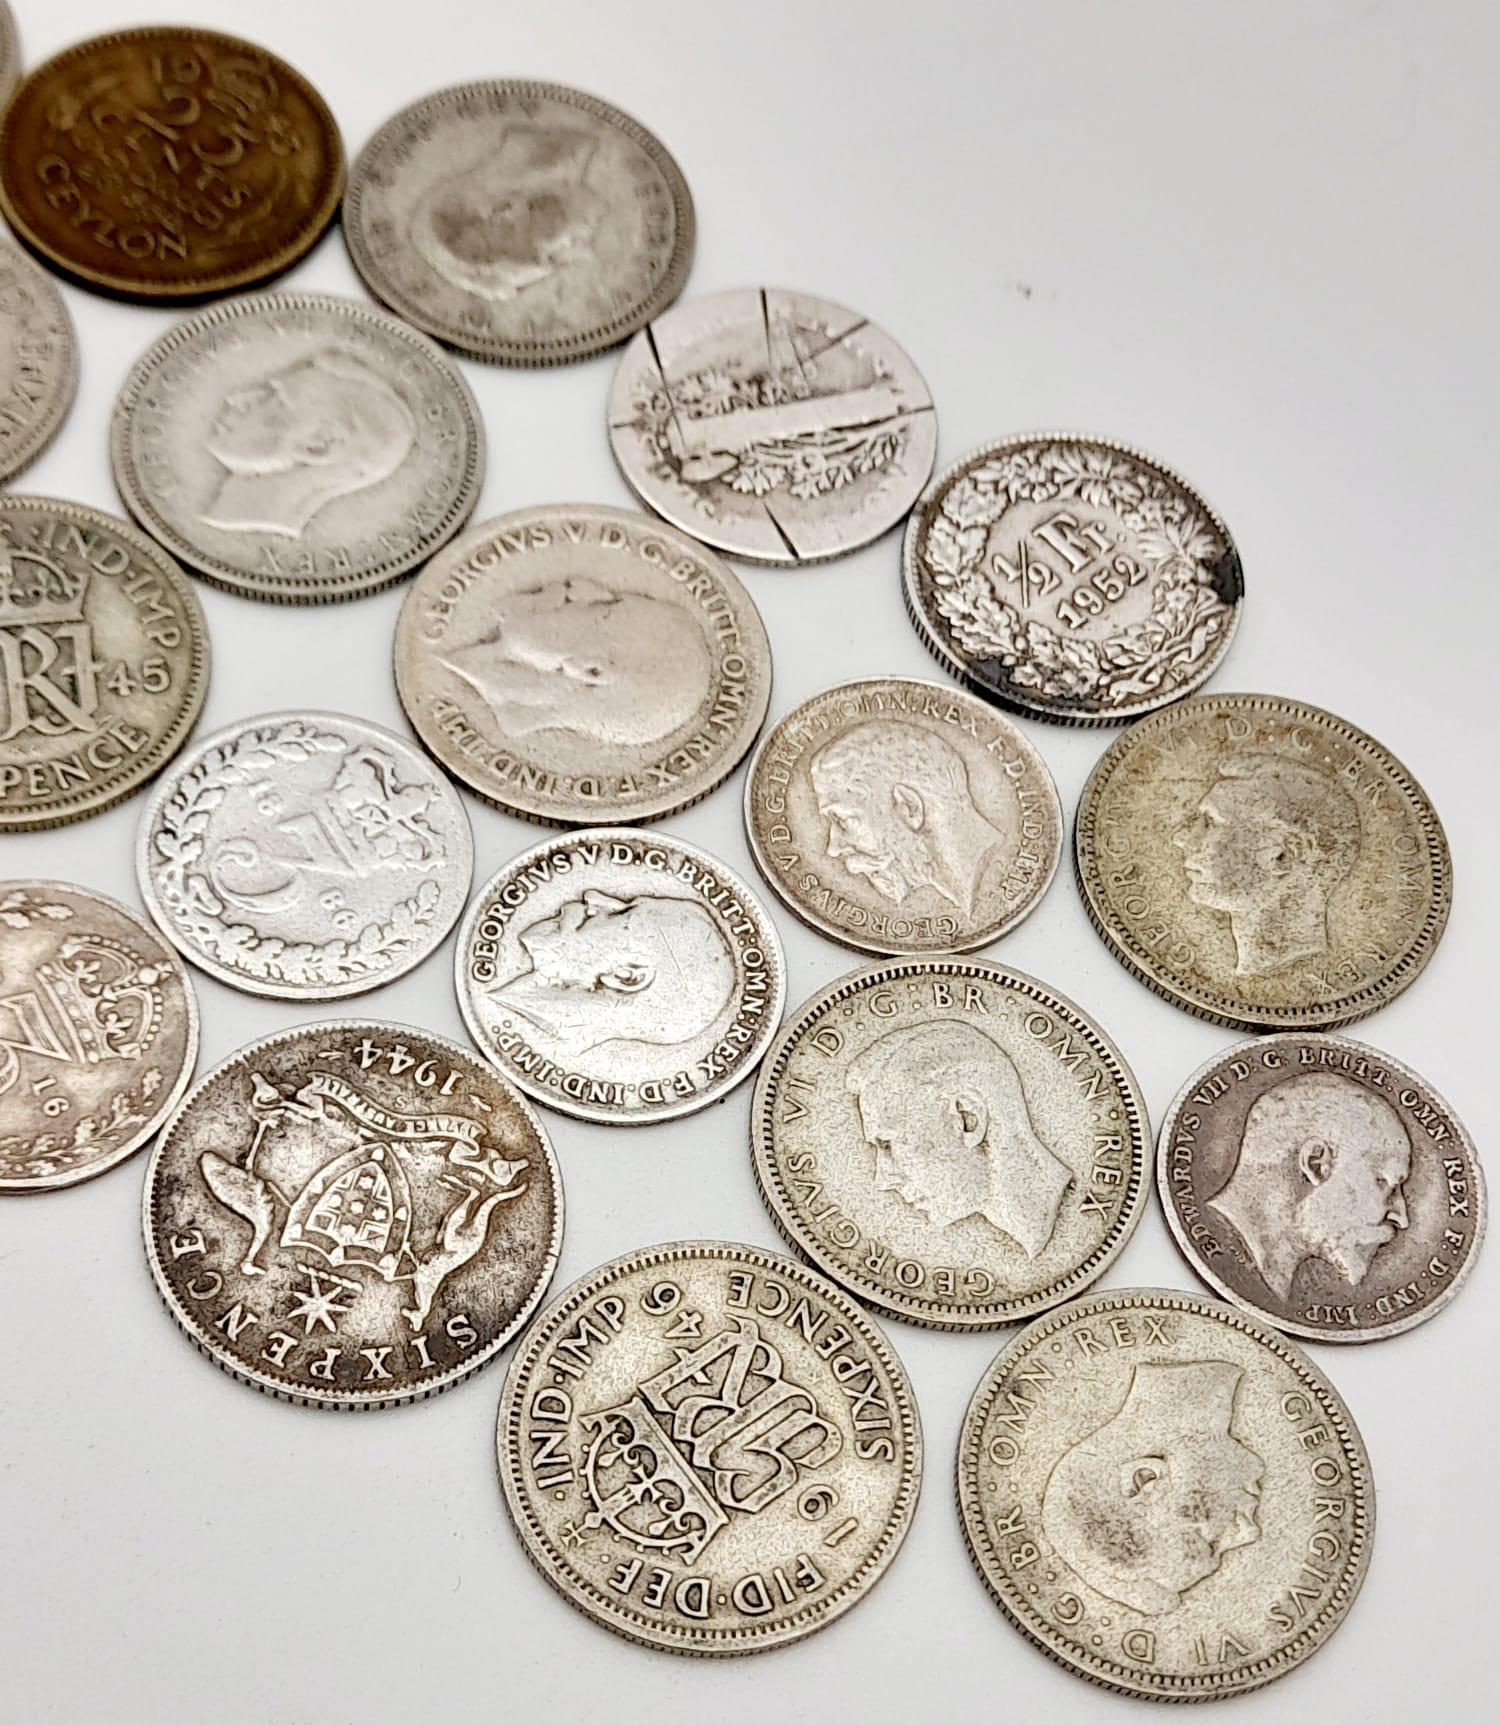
<point>1323,1185</point>
<point>1071,577</point>
<point>305,856</point>
<point>901,816</point>
<point>1262,863</point>
<point>620,977</point>
<point>10,50</point>
<point>103,661</point>
<point>297,446</point>
<point>772,425</point>
<point>708,1448</point>
<point>98,1034</point>
<point>1167,1497</point>
<point>38,353</point>
<point>579,664</point>
<point>352,1214</point>
<point>955,1143</point>
<point>519,221</point>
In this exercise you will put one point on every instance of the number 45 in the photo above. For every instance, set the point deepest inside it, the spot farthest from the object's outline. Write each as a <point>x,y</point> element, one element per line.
<point>154,678</point>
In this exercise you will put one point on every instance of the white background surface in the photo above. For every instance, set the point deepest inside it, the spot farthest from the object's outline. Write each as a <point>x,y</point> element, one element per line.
<point>1258,240</point>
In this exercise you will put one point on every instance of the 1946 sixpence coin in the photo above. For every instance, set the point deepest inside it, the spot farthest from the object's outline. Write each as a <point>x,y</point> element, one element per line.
<point>38,360</point>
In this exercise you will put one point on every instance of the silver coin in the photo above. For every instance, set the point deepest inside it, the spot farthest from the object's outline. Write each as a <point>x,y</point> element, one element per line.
<point>519,221</point>
<point>38,354</point>
<point>1167,1497</point>
<point>708,1449</point>
<point>297,446</point>
<point>900,816</point>
<point>579,664</point>
<point>10,50</point>
<point>352,1215</point>
<point>772,425</point>
<point>98,1034</point>
<point>620,977</point>
<point>305,856</point>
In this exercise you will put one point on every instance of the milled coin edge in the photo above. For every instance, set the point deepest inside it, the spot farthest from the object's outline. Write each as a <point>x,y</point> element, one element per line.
<point>39,439</point>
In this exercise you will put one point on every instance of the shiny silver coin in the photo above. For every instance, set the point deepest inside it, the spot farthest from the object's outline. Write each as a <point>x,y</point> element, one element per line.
<point>38,353</point>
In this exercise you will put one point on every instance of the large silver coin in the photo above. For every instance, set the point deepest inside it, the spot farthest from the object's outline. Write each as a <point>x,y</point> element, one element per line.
<point>620,977</point>
<point>98,1034</point>
<point>578,664</point>
<point>1167,1497</point>
<point>38,355</point>
<point>297,446</point>
<point>900,816</point>
<point>772,425</point>
<point>305,856</point>
<point>352,1215</point>
<point>519,221</point>
<point>708,1449</point>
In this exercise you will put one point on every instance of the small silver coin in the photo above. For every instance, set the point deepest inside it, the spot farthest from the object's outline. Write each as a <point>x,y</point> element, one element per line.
<point>578,664</point>
<point>772,425</point>
<point>620,977</point>
<point>305,856</point>
<point>352,1215</point>
<point>98,1034</point>
<point>38,354</point>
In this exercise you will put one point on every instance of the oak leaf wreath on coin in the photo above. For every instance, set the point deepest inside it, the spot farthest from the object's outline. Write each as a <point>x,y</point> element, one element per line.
<point>30,1158</point>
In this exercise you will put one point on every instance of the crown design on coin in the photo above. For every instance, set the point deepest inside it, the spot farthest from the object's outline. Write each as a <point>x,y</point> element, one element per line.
<point>34,589</point>
<point>111,1000</point>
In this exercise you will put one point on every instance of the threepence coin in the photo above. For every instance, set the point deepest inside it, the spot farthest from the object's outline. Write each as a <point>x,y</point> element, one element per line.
<point>1072,578</point>
<point>708,1449</point>
<point>103,661</point>
<point>1167,1497</point>
<point>38,360</point>
<point>305,856</point>
<point>1323,1185</point>
<point>1262,863</point>
<point>954,1143</point>
<point>169,163</point>
<point>578,664</point>
<point>297,446</point>
<point>900,816</point>
<point>620,977</point>
<point>98,1034</point>
<point>772,425</point>
<point>521,222</point>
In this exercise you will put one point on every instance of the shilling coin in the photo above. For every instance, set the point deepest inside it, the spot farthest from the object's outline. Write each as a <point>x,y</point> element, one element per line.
<point>98,1034</point>
<point>708,1449</point>
<point>352,1215</point>
<point>620,977</point>
<point>103,661</point>
<point>297,446</point>
<point>38,360</point>
<point>1262,863</point>
<point>1072,578</point>
<point>900,816</point>
<point>772,425</point>
<point>578,664</point>
<point>518,221</point>
<point>1323,1185</point>
<point>954,1143</point>
<point>1167,1497</point>
<point>305,856</point>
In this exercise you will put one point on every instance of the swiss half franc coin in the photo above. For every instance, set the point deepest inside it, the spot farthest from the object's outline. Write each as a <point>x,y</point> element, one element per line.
<point>1323,1185</point>
<point>1166,1496</point>
<point>708,1449</point>
<point>578,664</point>
<point>352,1215</point>
<point>38,359</point>
<point>900,816</point>
<point>1262,863</point>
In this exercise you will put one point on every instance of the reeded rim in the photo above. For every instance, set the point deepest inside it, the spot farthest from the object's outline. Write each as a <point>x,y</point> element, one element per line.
<point>65,389</point>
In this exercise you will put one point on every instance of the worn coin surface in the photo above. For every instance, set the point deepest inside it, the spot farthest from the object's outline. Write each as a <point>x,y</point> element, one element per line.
<point>1071,577</point>
<point>901,816</point>
<point>955,1143</point>
<point>1167,1497</point>
<point>1262,863</point>
<point>98,1034</point>
<point>579,664</point>
<point>772,425</point>
<point>305,856</point>
<point>620,977</point>
<point>103,661</point>
<point>519,221</point>
<point>169,163</point>
<point>352,1215</point>
<point>38,359</point>
<point>10,50</point>
<point>708,1448</point>
<point>297,446</point>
